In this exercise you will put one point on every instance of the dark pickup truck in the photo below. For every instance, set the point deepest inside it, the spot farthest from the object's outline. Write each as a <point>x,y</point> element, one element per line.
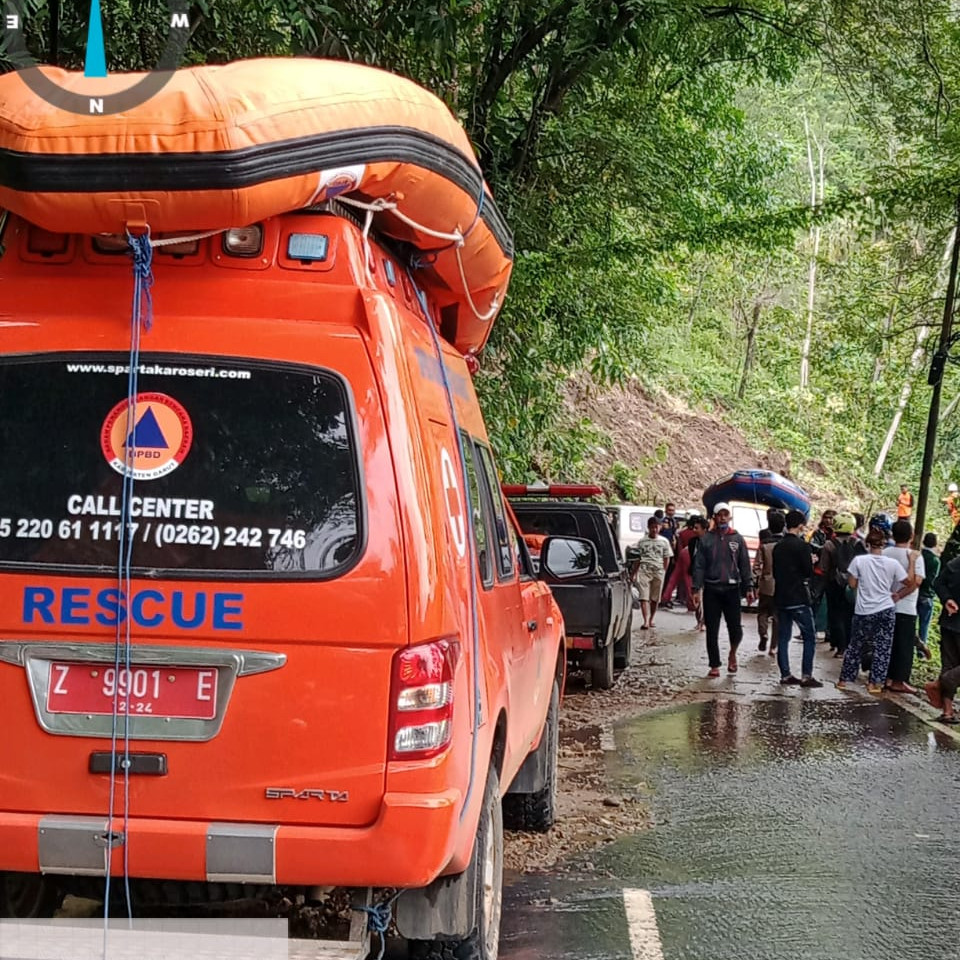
<point>597,610</point>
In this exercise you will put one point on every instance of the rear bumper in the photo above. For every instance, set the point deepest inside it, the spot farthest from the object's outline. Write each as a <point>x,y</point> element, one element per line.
<point>408,846</point>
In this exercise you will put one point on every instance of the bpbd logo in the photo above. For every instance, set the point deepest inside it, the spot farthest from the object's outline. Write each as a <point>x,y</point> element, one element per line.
<point>147,438</point>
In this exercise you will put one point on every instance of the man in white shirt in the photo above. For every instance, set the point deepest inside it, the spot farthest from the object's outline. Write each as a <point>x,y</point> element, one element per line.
<point>905,630</point>
<point>651,555</point>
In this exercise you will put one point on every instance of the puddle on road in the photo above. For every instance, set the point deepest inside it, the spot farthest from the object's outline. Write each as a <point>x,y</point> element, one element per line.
<point>722,732</point>
<point>802,824</point>
<point>784,829</point>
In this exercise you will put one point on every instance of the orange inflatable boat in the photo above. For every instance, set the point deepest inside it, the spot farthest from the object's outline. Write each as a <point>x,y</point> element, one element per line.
<point>227,146</point>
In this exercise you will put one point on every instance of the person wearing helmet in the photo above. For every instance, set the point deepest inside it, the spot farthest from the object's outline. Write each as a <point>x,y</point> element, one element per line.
<point>881,522</point>
<point>835,558</point>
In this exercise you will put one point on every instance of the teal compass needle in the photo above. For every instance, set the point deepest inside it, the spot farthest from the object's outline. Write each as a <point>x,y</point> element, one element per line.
<point>95,64</point>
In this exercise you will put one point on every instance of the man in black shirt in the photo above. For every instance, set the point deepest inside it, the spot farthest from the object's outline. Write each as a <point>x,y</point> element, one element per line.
<point>721,573</point>
<point>792,572</point>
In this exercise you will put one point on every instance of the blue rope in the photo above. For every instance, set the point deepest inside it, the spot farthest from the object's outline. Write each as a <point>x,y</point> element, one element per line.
<point>378,920</point>
<point>141,318</point>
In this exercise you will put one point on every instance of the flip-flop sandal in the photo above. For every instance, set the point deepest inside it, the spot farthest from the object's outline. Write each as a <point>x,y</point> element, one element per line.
<point>732,669</point>
<point>714,672</point>
<point>949,721</point>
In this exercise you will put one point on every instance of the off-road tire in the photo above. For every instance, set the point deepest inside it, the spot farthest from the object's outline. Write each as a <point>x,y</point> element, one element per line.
<point>536,812</point>
<point>483,943</point>
<point>27,896</point>
<point>602,673</point>
<point>624,646</point>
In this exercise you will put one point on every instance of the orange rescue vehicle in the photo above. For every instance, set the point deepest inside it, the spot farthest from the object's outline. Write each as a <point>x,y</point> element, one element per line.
<point>265,617</point>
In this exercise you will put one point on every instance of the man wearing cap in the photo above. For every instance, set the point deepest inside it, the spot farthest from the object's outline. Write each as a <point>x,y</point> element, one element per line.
<point>721,576</point>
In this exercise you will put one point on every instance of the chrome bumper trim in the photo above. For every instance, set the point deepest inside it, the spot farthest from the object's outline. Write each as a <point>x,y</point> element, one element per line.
<point>73,845</point>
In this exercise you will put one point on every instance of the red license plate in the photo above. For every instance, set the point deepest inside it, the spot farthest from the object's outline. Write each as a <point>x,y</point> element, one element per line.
<point>181,693</point>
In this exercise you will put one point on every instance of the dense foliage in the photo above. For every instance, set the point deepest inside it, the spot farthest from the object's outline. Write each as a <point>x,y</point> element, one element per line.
<point>655,160</point>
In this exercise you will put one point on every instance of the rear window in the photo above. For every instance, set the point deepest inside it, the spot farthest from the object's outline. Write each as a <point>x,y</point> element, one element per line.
<point>548,523</point>
<point>747,521</point>
<point>240,469</point>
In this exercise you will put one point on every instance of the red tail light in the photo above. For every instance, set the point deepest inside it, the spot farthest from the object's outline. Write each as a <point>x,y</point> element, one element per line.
<point>421,700</point>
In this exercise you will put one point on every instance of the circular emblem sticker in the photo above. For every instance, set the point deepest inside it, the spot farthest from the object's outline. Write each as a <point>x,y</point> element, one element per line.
<point>157,442</point>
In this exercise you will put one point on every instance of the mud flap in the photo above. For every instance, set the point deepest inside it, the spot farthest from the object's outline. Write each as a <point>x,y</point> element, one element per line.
<point>532,776</point>
<point>445,908</point>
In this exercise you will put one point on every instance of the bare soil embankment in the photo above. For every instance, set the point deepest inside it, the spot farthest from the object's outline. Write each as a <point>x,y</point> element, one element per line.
<point>678,451</point>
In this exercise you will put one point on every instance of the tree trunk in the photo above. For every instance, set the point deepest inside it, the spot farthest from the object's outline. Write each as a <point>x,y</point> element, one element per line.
<point>916,359</point>
<point>888,320</point>
<point>950,408</point>
<point>816,197</point>
<point>751,348</point>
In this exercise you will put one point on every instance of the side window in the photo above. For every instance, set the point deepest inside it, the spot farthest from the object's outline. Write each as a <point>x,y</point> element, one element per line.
<point>478,512</point>
<point>520,551</point>
<point>501,524</point>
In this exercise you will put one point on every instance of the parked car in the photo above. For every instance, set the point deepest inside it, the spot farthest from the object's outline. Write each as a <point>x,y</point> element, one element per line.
<point>597,610</point>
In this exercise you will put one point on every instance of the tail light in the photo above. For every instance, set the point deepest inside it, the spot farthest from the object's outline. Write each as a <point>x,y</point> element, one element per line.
<point>421,700</point>
<point>243,241</point>
<point>45,243</point>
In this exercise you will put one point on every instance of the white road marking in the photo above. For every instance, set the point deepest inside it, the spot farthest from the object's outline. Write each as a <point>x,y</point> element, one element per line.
<point>642,924</point>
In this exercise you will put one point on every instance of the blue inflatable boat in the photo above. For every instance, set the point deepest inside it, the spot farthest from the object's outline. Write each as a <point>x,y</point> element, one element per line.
<point>758,486</point>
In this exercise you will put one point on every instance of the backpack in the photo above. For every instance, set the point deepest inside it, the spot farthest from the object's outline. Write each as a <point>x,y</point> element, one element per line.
<point>845,551</point>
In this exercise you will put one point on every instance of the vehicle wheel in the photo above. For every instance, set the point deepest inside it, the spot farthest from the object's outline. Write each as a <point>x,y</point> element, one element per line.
<point>624,648</point>
<point>602,673</point>
<point>27,896</point>
<point>536,812</point>
<point>484,942</point>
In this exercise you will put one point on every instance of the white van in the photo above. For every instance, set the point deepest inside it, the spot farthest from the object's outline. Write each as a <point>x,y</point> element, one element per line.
<point>629,522</point>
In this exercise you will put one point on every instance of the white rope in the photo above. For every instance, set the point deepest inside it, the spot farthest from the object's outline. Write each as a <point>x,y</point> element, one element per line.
<point>380,205</point>
<point>494,304</point>
<point>367,254</point>
<point>187,238</point>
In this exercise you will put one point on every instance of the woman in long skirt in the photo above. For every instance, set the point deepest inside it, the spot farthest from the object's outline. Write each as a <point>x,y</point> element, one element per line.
<point>880,583</point>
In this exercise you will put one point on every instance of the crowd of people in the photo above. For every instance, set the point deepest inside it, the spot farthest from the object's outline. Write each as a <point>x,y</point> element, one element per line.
<point>857,585</point>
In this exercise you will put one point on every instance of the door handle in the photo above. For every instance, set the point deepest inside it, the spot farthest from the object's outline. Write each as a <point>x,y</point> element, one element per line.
<point>531,625</point>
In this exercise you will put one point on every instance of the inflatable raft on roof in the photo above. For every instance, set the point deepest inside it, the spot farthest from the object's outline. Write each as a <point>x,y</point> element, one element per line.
<point>226,146</point>
<point>758,486</point>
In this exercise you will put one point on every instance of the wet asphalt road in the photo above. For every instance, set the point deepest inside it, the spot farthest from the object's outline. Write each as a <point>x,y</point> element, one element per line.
<point>787,825</point>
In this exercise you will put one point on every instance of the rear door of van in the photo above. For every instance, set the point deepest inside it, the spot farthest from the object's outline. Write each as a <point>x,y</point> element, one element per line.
<point>246,627</point>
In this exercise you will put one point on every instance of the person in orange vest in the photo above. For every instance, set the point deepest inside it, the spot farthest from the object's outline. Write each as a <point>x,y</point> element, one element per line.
<point>904,503</point>
<point>951,501</point>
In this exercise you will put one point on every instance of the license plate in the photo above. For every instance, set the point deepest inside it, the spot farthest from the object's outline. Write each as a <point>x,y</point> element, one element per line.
<point>180,693</point>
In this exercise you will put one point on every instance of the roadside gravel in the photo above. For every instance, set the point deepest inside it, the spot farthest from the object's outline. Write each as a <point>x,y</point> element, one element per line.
<point>589,813</point>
